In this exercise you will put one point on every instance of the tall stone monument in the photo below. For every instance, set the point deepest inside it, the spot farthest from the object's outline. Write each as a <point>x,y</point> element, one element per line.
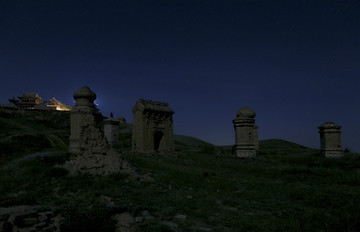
<point>244,133</point>
<point>94,155</point>
<point>111,130</point>
<point>84,108</point>
<point>330,140</point>
<point>152,127</point>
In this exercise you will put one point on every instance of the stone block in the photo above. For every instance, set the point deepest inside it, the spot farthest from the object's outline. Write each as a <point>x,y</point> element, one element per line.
<point>245,153</point>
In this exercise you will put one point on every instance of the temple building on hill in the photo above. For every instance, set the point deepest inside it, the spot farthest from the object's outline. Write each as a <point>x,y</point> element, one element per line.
<point>58,105</point>
<point>27,101</point>
<point>34,101</point>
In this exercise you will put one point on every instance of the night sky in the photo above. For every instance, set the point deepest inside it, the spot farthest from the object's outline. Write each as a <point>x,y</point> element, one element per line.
<point>296,63</point>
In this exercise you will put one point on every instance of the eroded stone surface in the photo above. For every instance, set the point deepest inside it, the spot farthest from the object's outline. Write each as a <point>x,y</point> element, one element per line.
<point>84,110</point>
<point>111,131</point>
<point>152,127</point>
<point>124,222</point>
<point>245,133</point>
<point>94,154</point>
<point>330,140</point>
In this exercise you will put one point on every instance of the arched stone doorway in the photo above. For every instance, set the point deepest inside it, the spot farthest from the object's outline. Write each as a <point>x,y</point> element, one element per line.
<point>152,127</point>
<point>158,136</point>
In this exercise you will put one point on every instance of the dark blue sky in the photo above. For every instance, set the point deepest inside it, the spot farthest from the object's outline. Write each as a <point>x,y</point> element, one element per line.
<point>296,63</point>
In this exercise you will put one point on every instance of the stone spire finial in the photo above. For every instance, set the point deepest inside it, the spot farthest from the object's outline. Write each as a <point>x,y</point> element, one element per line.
<point>245,112</point>
<point>84,98</point>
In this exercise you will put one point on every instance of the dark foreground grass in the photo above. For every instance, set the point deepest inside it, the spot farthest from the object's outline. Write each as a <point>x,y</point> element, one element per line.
<point>23,135</point>
<point>279,190</point>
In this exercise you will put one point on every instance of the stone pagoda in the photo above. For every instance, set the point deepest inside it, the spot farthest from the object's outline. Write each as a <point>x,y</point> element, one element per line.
<point>330,140</point>
<point>111,130</point>
<point>245,133</point>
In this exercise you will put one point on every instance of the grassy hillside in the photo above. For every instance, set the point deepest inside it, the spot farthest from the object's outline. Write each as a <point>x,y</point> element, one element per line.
<point>24,133</point>
<point>188,143</point>
<point>280,144</point>
<point>287,187</point>
<point>182,142</point>
<point>275,144</point>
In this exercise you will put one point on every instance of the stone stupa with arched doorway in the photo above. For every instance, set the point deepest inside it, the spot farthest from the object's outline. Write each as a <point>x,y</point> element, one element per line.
<point>152,127</point>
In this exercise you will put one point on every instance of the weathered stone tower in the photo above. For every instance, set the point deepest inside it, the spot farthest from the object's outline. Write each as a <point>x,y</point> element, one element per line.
<point>244,133</point>
<point>84,107</point>
<point>94,155</point>
<point>152,127</point>
<point>111,130</point>
<point>330,140</point>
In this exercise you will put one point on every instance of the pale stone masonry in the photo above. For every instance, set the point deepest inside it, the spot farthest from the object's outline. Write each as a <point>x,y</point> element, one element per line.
<point>245,135</point>
<point>330,140</point>
<point>111,131</point>
<point>84,108</point>
<point>93,152</point>
<point>152,127</point>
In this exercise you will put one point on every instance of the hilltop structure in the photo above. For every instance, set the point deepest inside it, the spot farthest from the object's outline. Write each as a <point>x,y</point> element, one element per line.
<point>34,101</point>
<point>27,101</point>
<point>245,133</point>
<point>330,140</point>
<point>54,103</point>
<point>152,127</point>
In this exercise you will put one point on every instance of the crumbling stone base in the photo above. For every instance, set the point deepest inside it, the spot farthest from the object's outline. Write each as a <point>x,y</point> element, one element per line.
<point>93,152</point>
<point>98,164</point>
<point>332,154</point>
<point>241,153</point>
<point>95,156</point>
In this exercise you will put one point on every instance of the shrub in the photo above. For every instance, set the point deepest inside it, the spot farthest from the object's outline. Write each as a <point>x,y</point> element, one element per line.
<point>207,149</point>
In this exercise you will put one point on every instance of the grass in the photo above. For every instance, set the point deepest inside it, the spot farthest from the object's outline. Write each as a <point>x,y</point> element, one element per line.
<point>287,187</point>
<point>278,192</point>
<point>22,135</point>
